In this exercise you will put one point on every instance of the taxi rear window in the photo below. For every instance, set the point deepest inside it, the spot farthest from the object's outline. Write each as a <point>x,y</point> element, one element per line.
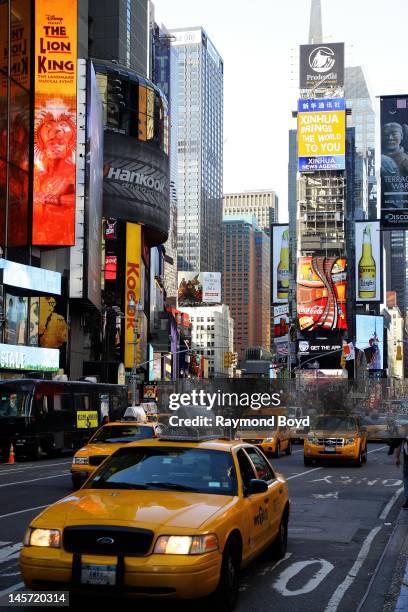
<point>195,470</point>
<point>123,433</point>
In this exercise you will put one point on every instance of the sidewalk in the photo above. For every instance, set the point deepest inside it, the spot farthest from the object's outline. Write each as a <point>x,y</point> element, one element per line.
<point>389,590</point>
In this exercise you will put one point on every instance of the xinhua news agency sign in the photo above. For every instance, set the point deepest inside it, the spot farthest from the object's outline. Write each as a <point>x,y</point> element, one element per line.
<point>321,133</point>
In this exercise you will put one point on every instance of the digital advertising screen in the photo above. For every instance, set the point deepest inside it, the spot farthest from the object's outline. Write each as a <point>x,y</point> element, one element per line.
<point>394,162</point>
<point>199,289</point>
<point>321,293</point>
<point>321,130</point>
<point>54,187</point>
<point>370,339</point>
<point>321,66</point>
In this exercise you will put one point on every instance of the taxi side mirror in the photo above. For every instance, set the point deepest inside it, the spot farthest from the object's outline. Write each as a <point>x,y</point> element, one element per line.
<point>256,485</point>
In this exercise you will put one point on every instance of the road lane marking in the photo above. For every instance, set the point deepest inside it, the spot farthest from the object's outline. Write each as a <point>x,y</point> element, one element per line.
<point>270,568</point>
<point>339,593</point>
<point>335,495</point>
<point>7,553</point>
<point>375,450</point>
<point>388,507</point>
<point>32,467</point>
<point>303,473</point>
<point>9,484</point>
<point>290,572</point>
<point>22,511</point>
<point>11,589</point>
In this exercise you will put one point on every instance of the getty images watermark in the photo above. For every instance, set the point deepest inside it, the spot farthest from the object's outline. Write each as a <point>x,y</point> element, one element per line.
<point>252,401</point>
<point>201,398</point>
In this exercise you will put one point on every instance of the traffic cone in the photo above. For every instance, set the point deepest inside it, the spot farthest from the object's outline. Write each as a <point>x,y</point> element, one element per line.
<point>11,455</point>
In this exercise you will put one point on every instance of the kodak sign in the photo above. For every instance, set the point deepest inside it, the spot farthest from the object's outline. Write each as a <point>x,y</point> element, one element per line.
<point>132,288</point>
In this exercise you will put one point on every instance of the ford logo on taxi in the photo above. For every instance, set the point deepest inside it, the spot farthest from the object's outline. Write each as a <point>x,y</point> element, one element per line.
<point>105,540</point>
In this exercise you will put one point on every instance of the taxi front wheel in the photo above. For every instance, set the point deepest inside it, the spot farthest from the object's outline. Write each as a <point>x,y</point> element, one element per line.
<point>226,594</point>
<point>280,544</point>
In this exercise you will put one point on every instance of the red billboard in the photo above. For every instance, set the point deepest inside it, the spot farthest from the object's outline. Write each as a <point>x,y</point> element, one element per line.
<point>321,293</point>
<point>55,123</point>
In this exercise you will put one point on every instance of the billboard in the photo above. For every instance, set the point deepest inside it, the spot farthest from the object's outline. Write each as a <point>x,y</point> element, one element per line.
<point>368,261</point>
<point>136,182</point>
<point>321,66</point>
<point>55,123</point>
<point>94,178</point>
<point>280,263</point>
<point>321,133</point>
<point>199,288</point>
<point>320,352</point>
<point>281,321</point>
<point>132,286</point>
<point>394,162</point>
<point>370,339</point>
<point>321,293</point>
<point>52,325</point>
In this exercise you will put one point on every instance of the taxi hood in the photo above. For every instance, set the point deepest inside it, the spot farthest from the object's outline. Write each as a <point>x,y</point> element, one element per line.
<point>100,448</point>
<point>151,509</point>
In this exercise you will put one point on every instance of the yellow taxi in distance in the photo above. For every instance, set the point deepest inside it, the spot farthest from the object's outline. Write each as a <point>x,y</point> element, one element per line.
<point>271,441</point>
<point>162,518</point>
<point>377,428</point>
<point>336,437</point>
<point>103,443</point>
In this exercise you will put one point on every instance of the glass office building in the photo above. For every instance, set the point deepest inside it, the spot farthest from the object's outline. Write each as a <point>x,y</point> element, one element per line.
<point>200,151</point>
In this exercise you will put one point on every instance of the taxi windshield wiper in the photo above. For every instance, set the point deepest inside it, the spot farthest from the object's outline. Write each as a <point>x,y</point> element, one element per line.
<point>170,485</point>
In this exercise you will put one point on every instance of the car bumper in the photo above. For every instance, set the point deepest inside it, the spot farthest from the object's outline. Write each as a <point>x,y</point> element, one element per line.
<point>155,575</point>
<point>341,453</point>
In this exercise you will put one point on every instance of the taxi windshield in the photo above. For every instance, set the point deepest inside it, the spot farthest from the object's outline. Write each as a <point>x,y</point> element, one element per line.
<point>109,434</point>
<point>168,468</point>
<point>335,423</point>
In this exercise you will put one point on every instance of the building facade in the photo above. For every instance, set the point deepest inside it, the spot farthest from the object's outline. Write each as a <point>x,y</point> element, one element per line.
<point>212,335</point>
<point>263,204</point>
<point>200,151</point>
<point>394,326</point>
<point>118,31</point>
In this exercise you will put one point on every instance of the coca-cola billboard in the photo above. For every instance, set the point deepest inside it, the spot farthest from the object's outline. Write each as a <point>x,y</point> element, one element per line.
<point>321,293</point>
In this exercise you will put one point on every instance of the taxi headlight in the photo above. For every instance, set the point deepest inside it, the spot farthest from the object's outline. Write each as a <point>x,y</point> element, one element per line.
<point>81,460</point>
<point>269,439</point>
<point>50,538</point>
<point>349,441</point>
<point>312,439</point>
<point>186,545</point>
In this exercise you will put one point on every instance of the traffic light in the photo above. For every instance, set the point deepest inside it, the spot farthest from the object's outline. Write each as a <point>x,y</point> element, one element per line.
<point>229,359</point>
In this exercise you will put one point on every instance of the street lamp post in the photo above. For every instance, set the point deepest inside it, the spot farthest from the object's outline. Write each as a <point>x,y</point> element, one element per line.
<point>134,307</point>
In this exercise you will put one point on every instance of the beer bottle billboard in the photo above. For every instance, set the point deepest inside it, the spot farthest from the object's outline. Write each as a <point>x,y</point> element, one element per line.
<point>283,268</point>
<point>368,277</point>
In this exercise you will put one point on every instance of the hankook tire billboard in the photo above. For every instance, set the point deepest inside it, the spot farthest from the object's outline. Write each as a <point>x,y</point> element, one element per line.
<point>136,184</point>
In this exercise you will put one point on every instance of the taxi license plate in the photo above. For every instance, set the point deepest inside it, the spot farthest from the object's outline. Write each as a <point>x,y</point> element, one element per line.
<point>329,449</point>
<point>98,574</point>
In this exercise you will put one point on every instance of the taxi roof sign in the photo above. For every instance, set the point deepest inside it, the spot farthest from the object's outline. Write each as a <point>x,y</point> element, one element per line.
<point>187,434</point>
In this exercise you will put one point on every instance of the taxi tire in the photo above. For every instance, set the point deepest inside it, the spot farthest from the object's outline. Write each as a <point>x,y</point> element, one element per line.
<point>359,461</point>
<point>226,594</point>
<point>276,454</point>
<point>288,450</point>
<point>307,462</point>
<point>280,544</point>
<point>365,455</point>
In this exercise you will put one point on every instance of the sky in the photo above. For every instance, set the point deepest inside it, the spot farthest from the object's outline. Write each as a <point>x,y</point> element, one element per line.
<point>258,41</point>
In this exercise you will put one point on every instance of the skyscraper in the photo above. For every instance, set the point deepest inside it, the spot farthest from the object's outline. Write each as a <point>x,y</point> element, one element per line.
<point>118,30</point>
<point>200,151</point>
<point>263,204</point>
<point>245,281</point>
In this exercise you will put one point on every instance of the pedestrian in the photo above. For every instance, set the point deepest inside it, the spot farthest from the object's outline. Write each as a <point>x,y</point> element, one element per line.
<point>105,420</point>
<point>404,448</point>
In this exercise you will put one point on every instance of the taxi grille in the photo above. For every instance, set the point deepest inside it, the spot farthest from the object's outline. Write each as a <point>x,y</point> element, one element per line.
<point>107,540</point>
<point>97,459</point>
<point>254,440</point>
<point>331,441</point>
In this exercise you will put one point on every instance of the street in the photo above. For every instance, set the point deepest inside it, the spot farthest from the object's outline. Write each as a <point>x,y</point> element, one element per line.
<point>341,520</point>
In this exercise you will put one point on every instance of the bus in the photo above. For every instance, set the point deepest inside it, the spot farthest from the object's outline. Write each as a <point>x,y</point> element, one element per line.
<point>44,417</point>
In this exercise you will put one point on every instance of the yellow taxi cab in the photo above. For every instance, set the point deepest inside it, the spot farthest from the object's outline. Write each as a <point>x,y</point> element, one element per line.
<point>376,427</point>
<point>167,517</point>
<point>272,441</point>
<point>104,442</point>
<point>336,437</point>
